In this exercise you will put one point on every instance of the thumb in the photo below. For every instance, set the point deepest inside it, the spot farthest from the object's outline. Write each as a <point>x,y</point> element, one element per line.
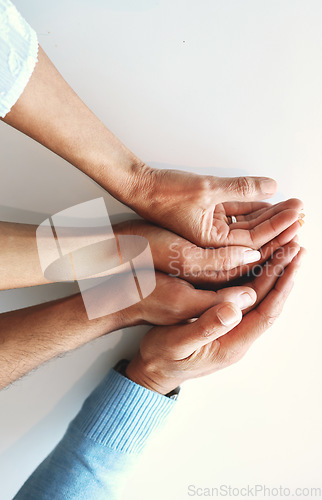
<point>214,323</point>
<point>246,188</point>
<point>205,264</point>
<point>227,258</point>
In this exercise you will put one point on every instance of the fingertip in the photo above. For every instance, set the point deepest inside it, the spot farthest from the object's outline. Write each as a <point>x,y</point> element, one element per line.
<point>246,298</point>
<point>292,213</point>
<point>301,253</point>
<point>296,203</point>
<point>228,313</point>
<point>293,249</point>
<point>268,186</point>
<point>250,256</point>
<point>218,320</point>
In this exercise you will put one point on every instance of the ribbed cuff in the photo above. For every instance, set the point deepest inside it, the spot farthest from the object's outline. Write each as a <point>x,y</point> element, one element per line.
<point>18,55</point>
<point>121,414</point>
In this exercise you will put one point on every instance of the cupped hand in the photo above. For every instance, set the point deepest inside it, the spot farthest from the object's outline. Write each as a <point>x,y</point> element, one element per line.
<point>175,300</point>
<point>270,227</point>
<point>221,336</point>
<point>199,207</point>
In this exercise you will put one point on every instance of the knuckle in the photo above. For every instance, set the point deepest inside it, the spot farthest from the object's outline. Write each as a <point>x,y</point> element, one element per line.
<point>233,356</point>
<point>223,264</point>
<point>222,259</point>
<point>244,186</point>
<point>268,320</point>
<point>205,188</point>
<point>206,183</point>
<point>226,264</point>
<point>205,331</point>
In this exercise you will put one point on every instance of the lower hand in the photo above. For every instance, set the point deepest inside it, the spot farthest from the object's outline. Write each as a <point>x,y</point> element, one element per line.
<point>221,336</point>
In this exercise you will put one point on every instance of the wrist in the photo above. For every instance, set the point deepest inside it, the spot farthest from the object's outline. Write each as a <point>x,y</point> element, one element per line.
<point>137,190</point>
<point>151,376</point>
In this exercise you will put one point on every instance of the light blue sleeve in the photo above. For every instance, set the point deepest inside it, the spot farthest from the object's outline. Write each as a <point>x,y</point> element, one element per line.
<point>18,55</point>
<point>101,444</point>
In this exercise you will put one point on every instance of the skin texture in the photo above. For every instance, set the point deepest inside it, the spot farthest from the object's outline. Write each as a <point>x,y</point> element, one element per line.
<point>195,212</point>
<point>32,336</point>
<point>170,355</point>
<point>215,267</point>
<point>195,207</point>
<point>172,254</point>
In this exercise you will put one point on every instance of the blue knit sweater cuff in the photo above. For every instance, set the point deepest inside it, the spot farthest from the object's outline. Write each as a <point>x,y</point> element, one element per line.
<point>121,415</point>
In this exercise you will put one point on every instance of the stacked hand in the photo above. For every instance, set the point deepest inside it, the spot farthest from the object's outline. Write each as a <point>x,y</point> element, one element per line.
<point>205,246</point>
<point>221,336</point>
<point>175,300</point>
<point>265,229</point>
<point>203,230</point>
<point>199,207</point>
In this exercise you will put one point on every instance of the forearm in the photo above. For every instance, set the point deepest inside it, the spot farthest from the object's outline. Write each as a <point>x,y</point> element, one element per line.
<point>32,336</point>
<point>19,255</point>
<point>101,444</point>
<point>50,112</point>
<point>19,261</point>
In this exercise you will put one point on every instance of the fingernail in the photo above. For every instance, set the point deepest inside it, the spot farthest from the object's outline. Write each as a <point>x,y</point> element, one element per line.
<point>227,315</point>
<point>301,222</point>
<point>301,254</point>
<point>244,300</point>
<point>301,215</point>
<point>268,186</point>
<point>251,256</point>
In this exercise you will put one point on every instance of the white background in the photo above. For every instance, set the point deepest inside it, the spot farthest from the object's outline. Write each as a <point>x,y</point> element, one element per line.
<point>227,87</point>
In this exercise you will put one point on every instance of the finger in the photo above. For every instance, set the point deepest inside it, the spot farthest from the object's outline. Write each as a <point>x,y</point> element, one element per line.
<point>272,271</point>
<point>253,220</point>
<point>226,258</point>
<point>264,232</point>
<point>267,251</point>
<point>244,207</point>
<point>242,296</point>
<point>198,301</point>
<point>280,241</point>
<point>245,188</point>
<point>197,264</point>
<point>260,319</point>
<point>183,340</point>
<point>294,203</point>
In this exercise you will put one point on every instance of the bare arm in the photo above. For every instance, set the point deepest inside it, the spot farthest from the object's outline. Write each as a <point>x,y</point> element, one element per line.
<point>32,336</point>
<point>19,261</point>
<point>20,265</point>
<point>50,112</point>
<point>199,208</point>
<point>19,255</point>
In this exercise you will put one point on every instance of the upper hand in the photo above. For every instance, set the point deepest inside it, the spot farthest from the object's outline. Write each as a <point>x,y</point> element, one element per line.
<point>197,207</point>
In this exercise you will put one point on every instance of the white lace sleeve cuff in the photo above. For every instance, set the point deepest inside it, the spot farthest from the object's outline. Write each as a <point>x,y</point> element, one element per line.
<point>18,55</point>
